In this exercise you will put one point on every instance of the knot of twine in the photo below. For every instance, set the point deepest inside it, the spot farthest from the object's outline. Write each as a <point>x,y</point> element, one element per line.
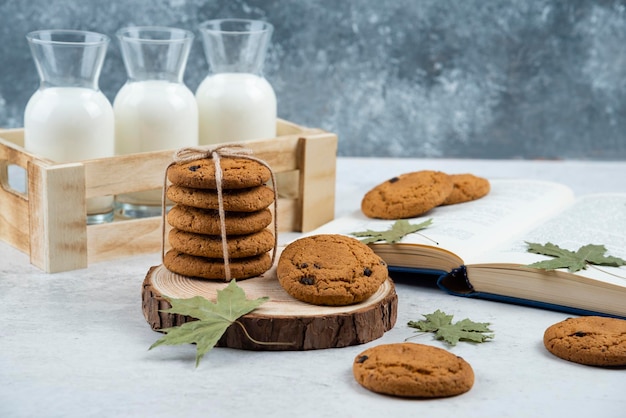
<point>189,154</point>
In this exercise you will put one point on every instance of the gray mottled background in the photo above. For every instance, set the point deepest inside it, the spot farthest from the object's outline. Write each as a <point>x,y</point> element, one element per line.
<point>423,78</point>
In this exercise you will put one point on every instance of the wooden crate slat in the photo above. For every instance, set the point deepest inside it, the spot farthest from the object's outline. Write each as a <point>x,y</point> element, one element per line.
<point>126,173</point>
<point>107,176</point>
<point>15,136</point>
<point>123,239</point>
<point>317,180</point>
<point>286,215</point>
<point>58,233</point>
<point>284,127</point>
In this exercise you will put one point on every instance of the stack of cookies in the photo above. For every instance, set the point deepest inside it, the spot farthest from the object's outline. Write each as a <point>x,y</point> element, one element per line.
<point>195,237</point>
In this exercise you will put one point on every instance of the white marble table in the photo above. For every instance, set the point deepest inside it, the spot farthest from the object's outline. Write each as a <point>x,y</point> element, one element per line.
<point>75,344</point>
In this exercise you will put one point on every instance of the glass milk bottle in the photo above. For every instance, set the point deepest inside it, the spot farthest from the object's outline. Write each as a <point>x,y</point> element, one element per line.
<point>235,101</point>
<point>154,110</point>
<point>68,118</point>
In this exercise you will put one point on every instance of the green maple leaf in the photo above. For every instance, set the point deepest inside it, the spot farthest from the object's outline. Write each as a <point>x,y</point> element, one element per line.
<point>213,318</point>
<point>573,261</point>
<point>441,325</point>
<point>398,230</point>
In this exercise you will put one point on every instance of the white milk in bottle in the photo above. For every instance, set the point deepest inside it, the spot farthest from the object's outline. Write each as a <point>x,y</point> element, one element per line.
<point>235,101</point>
<point>234,107</point>
<point>154,110</point>
<point>68,119</point>
<point>67,124</point>
<point>154,115</point>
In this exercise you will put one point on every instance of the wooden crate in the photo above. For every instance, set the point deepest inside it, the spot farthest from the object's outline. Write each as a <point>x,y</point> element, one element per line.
<point>47,221</point>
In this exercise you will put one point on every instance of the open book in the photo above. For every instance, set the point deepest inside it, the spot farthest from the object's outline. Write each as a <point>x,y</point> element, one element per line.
<point>478,249</point>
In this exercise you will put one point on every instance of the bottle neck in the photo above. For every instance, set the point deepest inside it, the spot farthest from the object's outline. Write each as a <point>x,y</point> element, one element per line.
<point>236,45</point>
<point>155,53</point>
<point>68,58</point>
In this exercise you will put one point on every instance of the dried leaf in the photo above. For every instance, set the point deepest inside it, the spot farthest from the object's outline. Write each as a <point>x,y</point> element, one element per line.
<point>441,325</point>
<point>398,230</point>
<point>213,318</point>
<point>573,261</point>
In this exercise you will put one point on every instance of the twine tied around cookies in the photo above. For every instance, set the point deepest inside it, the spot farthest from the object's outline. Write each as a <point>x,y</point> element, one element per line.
<point>189,154</point>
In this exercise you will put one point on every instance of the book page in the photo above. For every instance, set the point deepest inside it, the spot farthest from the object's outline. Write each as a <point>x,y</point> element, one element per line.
<point>594,219</point>
<point>470,228</point>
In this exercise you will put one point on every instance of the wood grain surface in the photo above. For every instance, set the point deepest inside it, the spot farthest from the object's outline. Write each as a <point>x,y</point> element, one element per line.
<point>282,319</point>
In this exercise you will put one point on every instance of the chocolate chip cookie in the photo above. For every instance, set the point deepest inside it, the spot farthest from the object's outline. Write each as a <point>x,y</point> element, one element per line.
<point>239,246</point>
<point>412,370</point>
<point>207,221</point>
<point>214,268</point>
<point>331,270</point>
<point>237,173</point>
<point>408,195</point>
<point>590,340</point>
<point>235,200</point>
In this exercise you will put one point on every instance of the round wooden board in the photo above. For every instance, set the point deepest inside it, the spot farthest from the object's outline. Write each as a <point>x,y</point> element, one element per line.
<point>280,319</point>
